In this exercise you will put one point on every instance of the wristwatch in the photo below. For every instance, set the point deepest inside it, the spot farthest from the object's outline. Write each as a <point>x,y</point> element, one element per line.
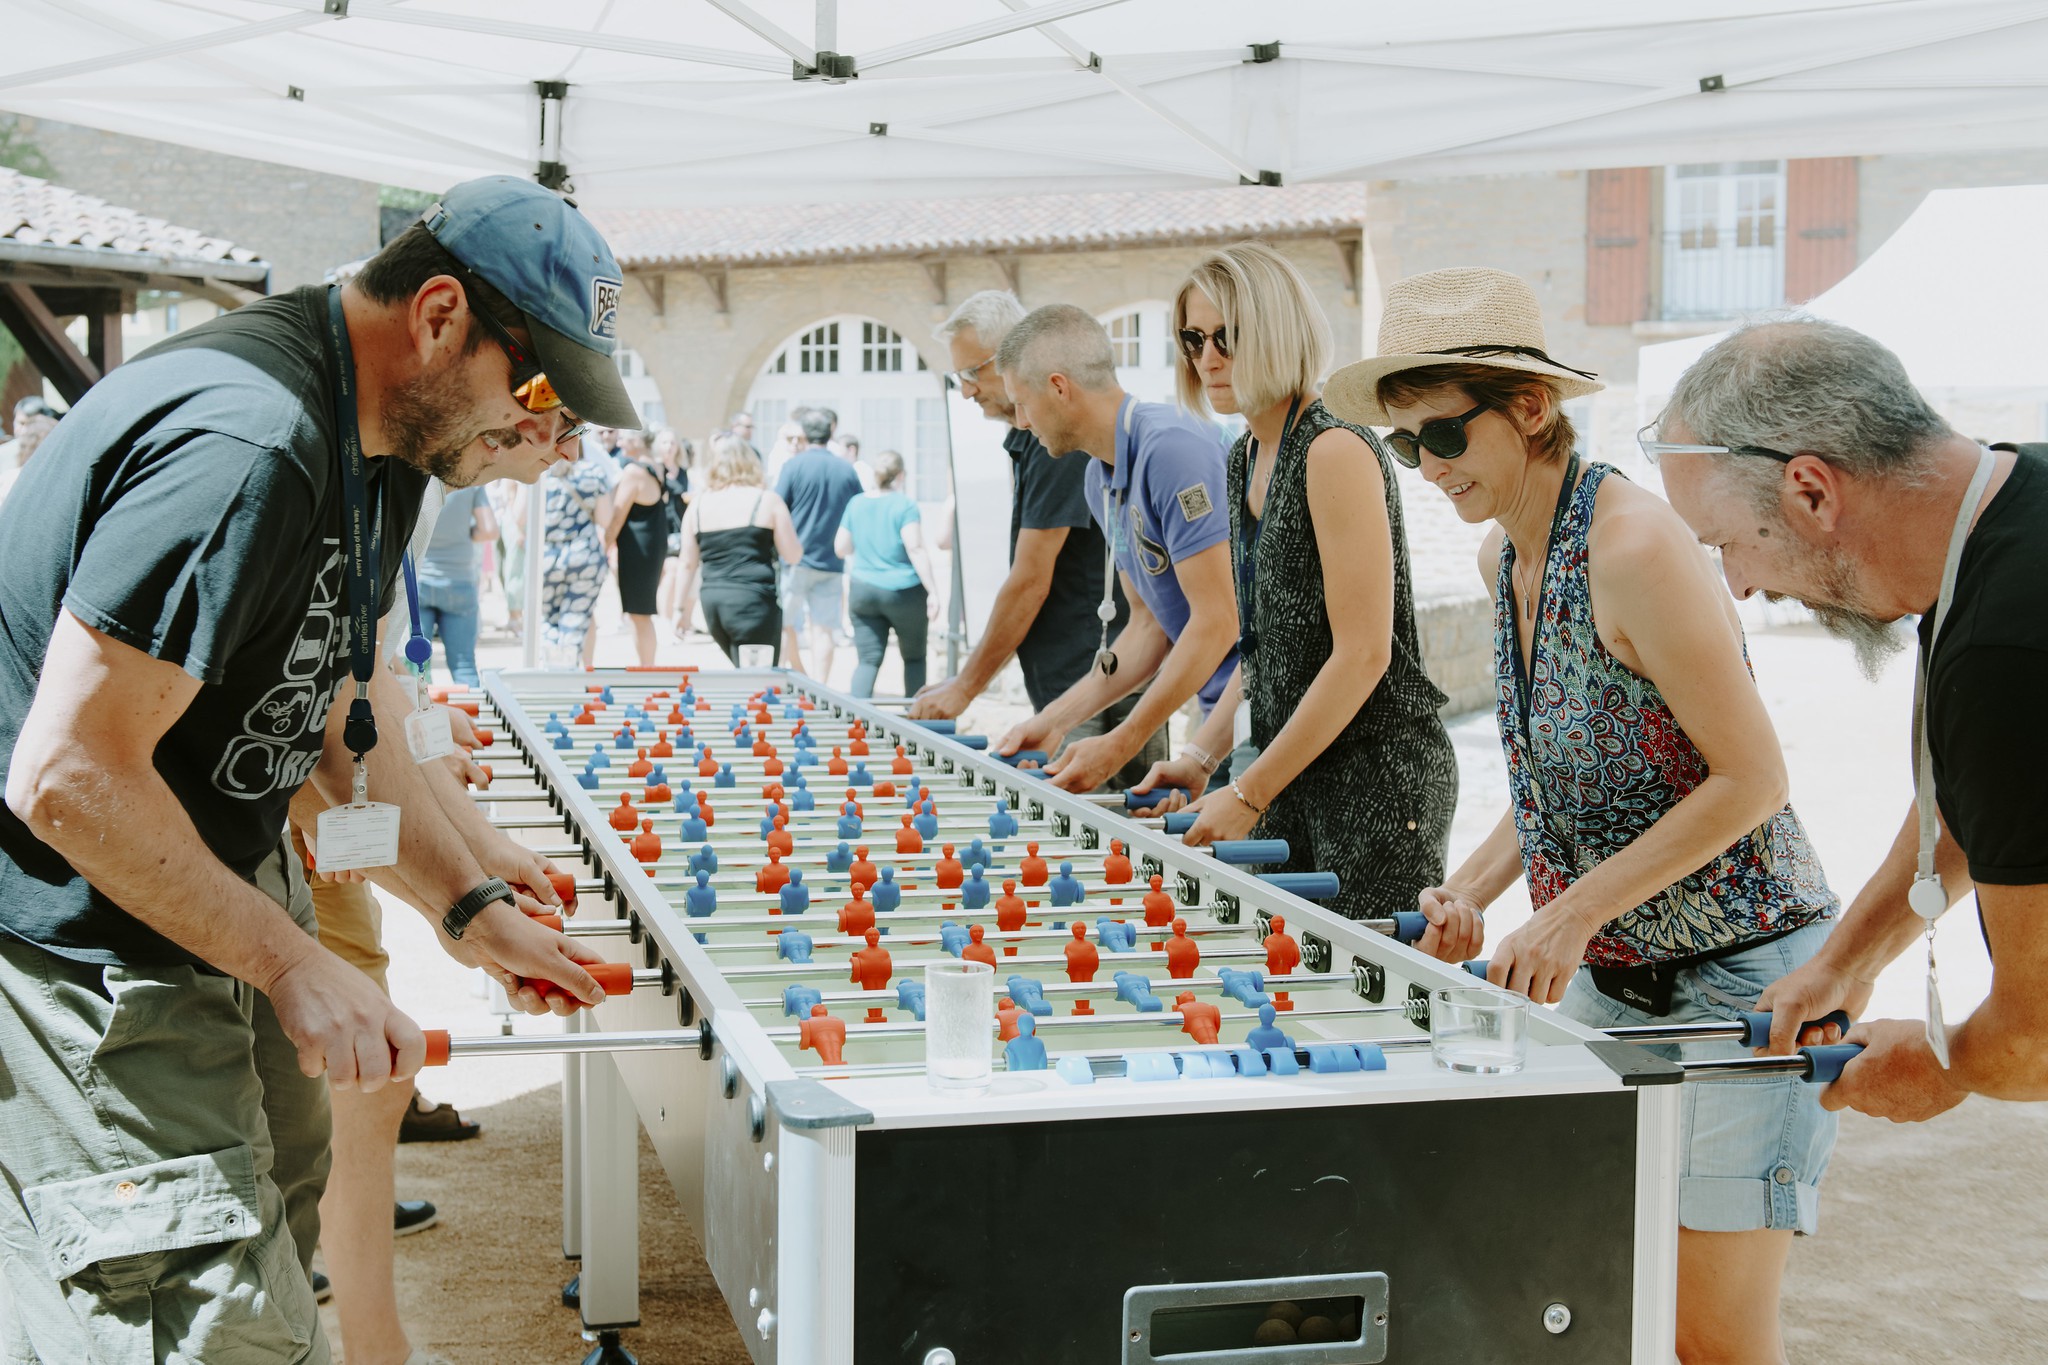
<point>469,907</point>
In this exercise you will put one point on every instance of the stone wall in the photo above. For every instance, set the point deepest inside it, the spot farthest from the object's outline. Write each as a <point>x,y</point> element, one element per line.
<point>302,222</point>
<point>1457,648</point>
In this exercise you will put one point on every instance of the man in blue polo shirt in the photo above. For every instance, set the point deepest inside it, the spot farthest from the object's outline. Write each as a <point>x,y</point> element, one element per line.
<point>1156,489</point>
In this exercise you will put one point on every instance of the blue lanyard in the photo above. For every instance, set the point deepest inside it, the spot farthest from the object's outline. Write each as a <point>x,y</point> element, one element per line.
<point>417,649</point>
<point>362,533</point>
<point>1250,527</point>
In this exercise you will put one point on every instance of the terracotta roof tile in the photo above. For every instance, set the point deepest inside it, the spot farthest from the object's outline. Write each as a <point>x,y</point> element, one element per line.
<point>37,213</point>
<point>769,235</point>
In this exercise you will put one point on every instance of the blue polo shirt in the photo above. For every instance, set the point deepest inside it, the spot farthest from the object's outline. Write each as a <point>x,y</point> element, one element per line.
<point>1166,490</point>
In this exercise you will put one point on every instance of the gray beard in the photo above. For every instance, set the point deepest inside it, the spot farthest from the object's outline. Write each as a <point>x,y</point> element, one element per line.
<point>1875,640</point>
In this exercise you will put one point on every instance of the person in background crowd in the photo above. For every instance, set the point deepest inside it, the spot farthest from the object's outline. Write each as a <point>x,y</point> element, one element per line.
<point>675,456</point>
<point>1155,486</point>
<point>1044,612</point>
<point>1355,770</point>
<point>508,504</point>
<point>35,405</point>
<point>644,503</point>
<point>29,432</point>
<point>889,584</point>
<point>576,508</point>
<point>1802,451</point>
<point>448,578</point>
<point>789,439</point>
<point>743,427</point>
<point>816,486</point>
<point>870,480</point>
<point>733,535</point>
<point>1671,882</point>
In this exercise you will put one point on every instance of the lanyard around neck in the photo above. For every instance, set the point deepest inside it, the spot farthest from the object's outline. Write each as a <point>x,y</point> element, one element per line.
<point>1251,527</point>
<point>361,535</point>
<point>1112,527</point>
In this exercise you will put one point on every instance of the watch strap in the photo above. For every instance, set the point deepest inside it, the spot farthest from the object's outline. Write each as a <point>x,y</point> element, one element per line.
<point>456,921</point>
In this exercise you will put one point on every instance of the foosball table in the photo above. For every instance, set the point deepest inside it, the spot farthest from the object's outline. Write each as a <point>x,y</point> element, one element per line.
<point>1215,1130</point>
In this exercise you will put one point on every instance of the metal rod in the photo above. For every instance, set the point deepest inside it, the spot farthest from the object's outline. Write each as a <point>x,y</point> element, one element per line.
<point>524,1045</point>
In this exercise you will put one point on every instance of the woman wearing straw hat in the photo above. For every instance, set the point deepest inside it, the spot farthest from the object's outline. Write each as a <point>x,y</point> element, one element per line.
<point>1670,880</point>
<point>1355,770</point>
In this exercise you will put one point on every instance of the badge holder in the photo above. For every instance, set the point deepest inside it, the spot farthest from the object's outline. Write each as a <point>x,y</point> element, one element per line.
<point>426,730</point>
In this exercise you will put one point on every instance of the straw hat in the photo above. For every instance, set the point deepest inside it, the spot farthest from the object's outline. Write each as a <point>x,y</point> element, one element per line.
<point>1469,315</point>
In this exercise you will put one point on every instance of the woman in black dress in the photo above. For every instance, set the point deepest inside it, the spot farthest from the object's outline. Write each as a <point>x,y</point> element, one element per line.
<point>732,535</point>
<point>1355,769</point>
<point>645,504</point>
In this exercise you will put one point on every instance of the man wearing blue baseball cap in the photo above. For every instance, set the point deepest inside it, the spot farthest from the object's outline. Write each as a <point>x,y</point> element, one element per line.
<point>189,576</point>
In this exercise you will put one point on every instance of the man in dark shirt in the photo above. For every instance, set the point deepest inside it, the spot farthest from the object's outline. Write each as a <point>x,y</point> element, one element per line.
<point>184,580</point>
<point>1802,451</point>
<point>817,484</point>
<point>1044,612</point>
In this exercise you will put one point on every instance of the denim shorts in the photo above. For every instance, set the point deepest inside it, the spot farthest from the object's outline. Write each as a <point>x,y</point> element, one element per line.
<point>1752,1152</point>
<point>812,598</point>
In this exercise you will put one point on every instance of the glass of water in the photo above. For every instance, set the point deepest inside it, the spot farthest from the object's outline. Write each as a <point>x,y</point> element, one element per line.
<point>959,1024</point>
<point>1478,1029</point>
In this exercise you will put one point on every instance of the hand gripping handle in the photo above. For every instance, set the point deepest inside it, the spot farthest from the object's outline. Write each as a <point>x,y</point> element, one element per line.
<point>1147,800</point>
<point>1756,1025</point>
<point>1037,756</point>
<point>1824,1064</point>
<point>615,977</point>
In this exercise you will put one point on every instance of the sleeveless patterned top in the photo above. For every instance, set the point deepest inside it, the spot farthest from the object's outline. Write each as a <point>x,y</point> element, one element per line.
<point>1595,758</point>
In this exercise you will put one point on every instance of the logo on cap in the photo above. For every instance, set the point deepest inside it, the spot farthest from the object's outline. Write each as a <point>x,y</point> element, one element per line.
<point>604,307</point>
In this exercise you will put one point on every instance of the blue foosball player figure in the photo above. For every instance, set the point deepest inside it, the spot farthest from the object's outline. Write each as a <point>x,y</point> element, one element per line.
<point>800,797</point>
<point>798,999</point>
<point>1002,824</point>
<point>793,945</point>
<point>1136,991</point>
<point>953,938</point>
<point>701,899</point>
<point>767,825</point>
<point>795,896</point>
<point>1265,1035</point>
<point>849,823</point>
<point>1028,993</point>
<point>860,777</point>
<point>926,821</point>
<point>693,824</point>
<point>974,891</point>
<point>1115,935</point>
<point>599,759</point>
<point>885,894</point>
<point>704,860</point>
<point>976,854</point>
<point>1066,887</point>
<point>725,776</point>
<point>1025,1052</point>
<point>910,996</point>
<point>840,858</point>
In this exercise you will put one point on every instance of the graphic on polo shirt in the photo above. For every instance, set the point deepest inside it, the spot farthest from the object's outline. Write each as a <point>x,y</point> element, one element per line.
<point>1151,554</point>
<point>273,752</point>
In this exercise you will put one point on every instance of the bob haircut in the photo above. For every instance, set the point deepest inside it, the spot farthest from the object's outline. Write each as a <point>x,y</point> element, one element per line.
<point>1280,340</point>
<point>733,464</point>
<point>1497,388</point>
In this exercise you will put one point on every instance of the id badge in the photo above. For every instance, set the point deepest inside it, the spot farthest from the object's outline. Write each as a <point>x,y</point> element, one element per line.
<point>428,735</point>
<point>350,838</point>
<point>1937,1023</point>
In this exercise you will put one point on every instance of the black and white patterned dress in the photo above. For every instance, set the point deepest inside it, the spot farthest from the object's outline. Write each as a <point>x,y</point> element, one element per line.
<point>1375,807</point>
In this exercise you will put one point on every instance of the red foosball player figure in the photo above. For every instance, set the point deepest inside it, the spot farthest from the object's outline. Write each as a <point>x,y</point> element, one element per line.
<point>857,730</point>
<point>661,748</point>
<point>780,840</point>
<point>872,969</point>
<point>623,817</point>
<point>772,876</point>
<point>852,799</point>
<point>1116,869</point>
<point>1182,956</point>
<point>772,766</point>
<point>836,765</point>
<point>1199,1021</point>
<point>1082,962</point>
<point>647,844</point>
<point>1283,955</point>
<point>762,748</point>
<point>1158,910</point>
<point>1032,871</point>
<point>885,790</point>
<point>1009,912</point>
<point>901,763</point>
<point>1007,1011</point>
<point>908,840</point>
<point>976,950</point>
<point>640,766</point>
<point>861,872</point>
<point>583,717</point>
<point>858,747</point>
<point>658,794</point>
<point>707,766</point>
<point>857,916</point>
<point>824,1035</point>
<point>704,811</point>
<point>675,716</point>
<point>948,873</point>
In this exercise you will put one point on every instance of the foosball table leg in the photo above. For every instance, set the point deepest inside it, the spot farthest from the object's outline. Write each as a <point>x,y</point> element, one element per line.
<point>609,1279</point>
<point>572,1168</point>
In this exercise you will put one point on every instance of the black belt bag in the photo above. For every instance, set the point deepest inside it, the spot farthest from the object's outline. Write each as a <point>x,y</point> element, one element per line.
<point>1646,987</point>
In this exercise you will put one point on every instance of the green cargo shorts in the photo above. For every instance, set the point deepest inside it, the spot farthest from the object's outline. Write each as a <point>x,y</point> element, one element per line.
<point>164,1161</point>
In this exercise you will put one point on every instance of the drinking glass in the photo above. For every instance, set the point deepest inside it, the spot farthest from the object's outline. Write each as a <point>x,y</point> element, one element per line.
<point>959,1024</point>
<point>1478,1029</point>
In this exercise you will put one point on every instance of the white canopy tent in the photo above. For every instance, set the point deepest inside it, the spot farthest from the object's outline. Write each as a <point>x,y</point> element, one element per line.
<point>654,102</point>
<point>1958,293</point>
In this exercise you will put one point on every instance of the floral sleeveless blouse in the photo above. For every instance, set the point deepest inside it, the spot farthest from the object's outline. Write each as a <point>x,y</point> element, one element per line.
<point>1595,758</point>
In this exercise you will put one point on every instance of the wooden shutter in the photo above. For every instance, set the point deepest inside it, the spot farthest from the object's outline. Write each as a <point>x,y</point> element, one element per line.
<point>1820,224</point>
<point>1618,245</point>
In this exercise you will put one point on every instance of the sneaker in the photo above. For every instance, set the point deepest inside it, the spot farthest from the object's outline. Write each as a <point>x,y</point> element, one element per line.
<point>414,1215</point>
<point>427,1121</point>
<point>323,1288</point>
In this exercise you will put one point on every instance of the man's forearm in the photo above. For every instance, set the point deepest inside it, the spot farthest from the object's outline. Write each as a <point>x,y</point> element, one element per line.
<point>1016,606</point>
<point>1194,658</point>
<point>2000,1053</point>
<point>1139,647</point>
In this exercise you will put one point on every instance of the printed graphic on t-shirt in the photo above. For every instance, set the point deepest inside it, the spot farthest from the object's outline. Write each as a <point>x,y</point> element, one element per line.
<point>1194,502</point>
<point>271,753</point>
<point>1151,555</point>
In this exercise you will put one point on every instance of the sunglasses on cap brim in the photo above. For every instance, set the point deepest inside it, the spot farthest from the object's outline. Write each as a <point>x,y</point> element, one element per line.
<point>1443,437</point>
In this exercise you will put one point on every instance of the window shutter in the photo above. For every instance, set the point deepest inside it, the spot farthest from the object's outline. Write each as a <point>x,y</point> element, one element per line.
<point>1618,245</point>
<point>1820,224</point>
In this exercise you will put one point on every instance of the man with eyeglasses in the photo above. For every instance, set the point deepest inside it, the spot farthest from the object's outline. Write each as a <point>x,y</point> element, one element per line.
<point>1801,451</point>
<point>185,581</point>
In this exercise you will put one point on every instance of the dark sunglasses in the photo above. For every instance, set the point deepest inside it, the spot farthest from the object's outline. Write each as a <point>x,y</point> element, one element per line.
<point>530,386</point>
<point>1443,437</point>
<point>1193,339</point>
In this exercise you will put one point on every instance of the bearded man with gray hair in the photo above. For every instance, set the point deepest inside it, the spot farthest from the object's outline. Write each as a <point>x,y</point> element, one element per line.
<point>1801,451</point>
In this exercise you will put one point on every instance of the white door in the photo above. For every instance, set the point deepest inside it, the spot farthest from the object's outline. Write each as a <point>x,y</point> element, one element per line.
<point>1724,247</point>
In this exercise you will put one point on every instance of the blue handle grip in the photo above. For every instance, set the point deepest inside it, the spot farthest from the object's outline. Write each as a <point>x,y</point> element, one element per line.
<point>1311,886</point>
<point>1756,1025</point>
<point>1824,1064</point>
<point>1037,756</point>
<point>1477,966</point>
<point>1146,801</point>
<point>1180,821</point>
<point>937,727</point>
<point>1409,925</point>
<point>1239,852</point>
<point>972,741</point>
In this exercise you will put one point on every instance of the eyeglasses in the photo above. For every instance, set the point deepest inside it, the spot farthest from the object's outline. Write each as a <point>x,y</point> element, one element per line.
<point>1654,450</point>
<point>1192,339</point>
<point>1443,437</point>
<point>530,386</point>
<point>958,378</point>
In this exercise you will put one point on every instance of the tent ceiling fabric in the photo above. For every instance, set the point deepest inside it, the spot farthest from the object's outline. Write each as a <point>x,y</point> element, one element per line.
<point>694,102</point>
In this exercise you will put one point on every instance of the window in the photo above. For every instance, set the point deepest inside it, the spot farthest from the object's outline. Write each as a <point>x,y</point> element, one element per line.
<point>1724,239</point>
<point>170,318</point>
<point>1125,339</point>
<point>881,350</point>
<point>769,415</point>
<point>818,350</point>
<point>779,365</point>
<point>631,366</point>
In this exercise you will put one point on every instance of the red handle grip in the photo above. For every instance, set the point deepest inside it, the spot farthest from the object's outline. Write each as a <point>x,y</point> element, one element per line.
<point>437,1047</point>
<point>553,922</point>
<point>615,977</point>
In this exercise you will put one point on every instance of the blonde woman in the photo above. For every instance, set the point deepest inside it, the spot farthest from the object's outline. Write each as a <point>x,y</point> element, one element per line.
<point>1355,770</point>
<point>733,534</point>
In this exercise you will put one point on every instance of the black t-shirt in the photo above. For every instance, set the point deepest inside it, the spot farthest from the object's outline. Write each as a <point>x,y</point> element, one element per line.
<point>190,506</point>
<point>1987,695</point>
<point>1049,493</point>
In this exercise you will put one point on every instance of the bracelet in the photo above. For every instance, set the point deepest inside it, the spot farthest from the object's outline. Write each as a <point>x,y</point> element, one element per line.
<point>1238,792</point>
<point>1201,756</point>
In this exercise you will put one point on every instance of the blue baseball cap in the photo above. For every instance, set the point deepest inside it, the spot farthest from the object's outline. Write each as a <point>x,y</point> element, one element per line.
<point>542,254</point>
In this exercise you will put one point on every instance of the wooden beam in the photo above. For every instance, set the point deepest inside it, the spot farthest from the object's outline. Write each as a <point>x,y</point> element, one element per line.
<point>935,271</point>
<point>1009,266</point>
<point>1349,248</point>
<point>656,284</point>
<point>715,277</point>
<point>103,337</point>
<point>42,338</point>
